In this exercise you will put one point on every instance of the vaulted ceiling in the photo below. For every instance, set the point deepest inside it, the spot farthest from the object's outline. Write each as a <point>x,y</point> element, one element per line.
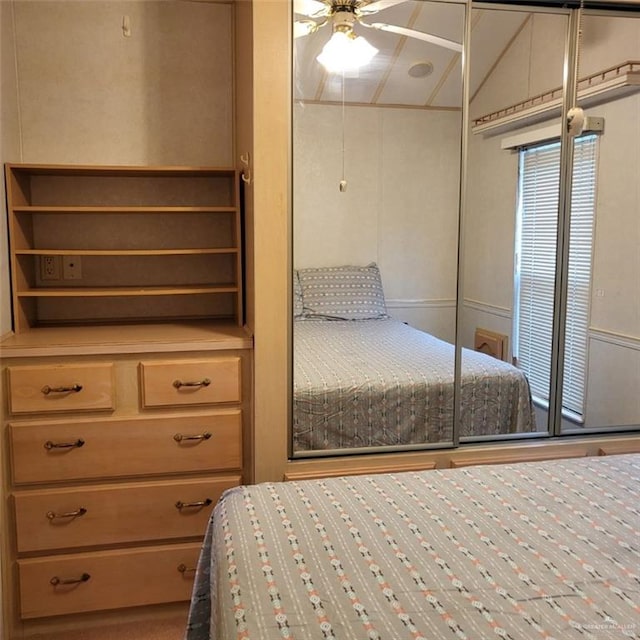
<point>389,78</point>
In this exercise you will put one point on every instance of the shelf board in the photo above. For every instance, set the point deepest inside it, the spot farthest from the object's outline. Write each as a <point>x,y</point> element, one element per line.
<point>133,337</point>
<point>31,209</point>
<point>110,292</point>
<point>121,170</point>
<point>127,252</point>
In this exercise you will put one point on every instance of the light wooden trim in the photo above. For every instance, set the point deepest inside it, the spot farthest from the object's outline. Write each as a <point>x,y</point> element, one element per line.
<point>466,454</point>
<point>622,446</point>
<point>79,292</point>
<point>158,337</point>
<point>271,28</point>
<point>126,252</point>
<point>520,456</point>
<point>116,170</point>
<point>292,476</point>
<point>126,210</point>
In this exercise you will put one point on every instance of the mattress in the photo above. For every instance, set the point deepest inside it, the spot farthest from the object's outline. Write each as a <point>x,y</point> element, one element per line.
<point>529,550</point>
<point>381,382</point>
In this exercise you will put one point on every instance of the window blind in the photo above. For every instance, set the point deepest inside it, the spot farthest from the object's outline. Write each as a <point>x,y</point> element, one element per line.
<point>536,265</point>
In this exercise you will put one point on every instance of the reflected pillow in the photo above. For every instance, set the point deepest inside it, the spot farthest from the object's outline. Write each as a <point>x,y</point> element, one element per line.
<point>343,293</point>
<point>298,308</point>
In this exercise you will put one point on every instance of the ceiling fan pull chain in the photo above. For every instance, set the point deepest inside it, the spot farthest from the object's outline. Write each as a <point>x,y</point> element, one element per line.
<point>343,181</point>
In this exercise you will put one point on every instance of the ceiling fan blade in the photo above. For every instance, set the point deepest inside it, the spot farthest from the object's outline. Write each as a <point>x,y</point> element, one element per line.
<point>303,28</point>
<point>311,8</point>
<point>378,5</point>
<point>412,33</point>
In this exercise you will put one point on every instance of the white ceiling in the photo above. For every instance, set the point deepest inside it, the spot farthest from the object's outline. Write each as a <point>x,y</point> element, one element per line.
<point>385,81</point>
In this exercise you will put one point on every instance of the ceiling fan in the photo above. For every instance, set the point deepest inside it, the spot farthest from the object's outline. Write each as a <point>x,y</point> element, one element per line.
<point>345,49</point>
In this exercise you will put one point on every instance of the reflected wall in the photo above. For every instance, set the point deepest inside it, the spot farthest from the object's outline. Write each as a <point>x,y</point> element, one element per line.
<point>612,346</point>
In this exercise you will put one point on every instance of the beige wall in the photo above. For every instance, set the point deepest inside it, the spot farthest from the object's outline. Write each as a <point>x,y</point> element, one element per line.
<point>88,94</point>
<point>400,208</point>
<point>9,147</point>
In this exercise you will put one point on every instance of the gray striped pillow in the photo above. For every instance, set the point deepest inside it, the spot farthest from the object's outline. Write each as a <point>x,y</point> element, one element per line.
<point>343,293</point>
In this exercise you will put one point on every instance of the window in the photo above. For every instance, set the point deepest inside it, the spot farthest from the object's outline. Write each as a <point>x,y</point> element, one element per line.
<point>535,269</point>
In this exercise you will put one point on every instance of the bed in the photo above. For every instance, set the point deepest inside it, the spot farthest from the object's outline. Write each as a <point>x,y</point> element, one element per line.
<point>380,382</point>
<point>363,379</point>
<point>528,550</point>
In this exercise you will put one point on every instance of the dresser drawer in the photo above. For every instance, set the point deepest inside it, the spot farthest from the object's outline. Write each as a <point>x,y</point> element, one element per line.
<point>56,451</point>
<point>189,382</point>
<point>112,579</point>
<point>53,519</point>
<point>65,387</point>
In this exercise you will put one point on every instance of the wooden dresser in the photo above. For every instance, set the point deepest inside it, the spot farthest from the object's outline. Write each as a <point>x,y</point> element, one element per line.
<point>116,449</point>
<point>127,387</point>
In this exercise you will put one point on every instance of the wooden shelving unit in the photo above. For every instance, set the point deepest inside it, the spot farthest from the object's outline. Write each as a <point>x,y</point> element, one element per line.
<point>144,243</point>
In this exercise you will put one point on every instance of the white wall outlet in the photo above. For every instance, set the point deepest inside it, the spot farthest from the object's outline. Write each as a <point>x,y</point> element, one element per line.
<point>71,268</point>
<point>50,267</point>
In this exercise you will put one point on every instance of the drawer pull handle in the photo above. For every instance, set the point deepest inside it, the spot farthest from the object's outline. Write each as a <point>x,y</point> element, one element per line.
<point>179,437</point>
<point>55,581</point>
<point>200,503</point>
<point>48,445</point>
<point>205,382</point>
<point>74,387</point>
<point>80,511</point>
<point>182,568</point>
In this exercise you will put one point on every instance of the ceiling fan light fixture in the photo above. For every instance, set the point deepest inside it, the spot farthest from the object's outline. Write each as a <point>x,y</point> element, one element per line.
<point>346,52</point>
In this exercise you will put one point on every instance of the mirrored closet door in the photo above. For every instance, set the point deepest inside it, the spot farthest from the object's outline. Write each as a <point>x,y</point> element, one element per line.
<point>453,233</point>
<point>510,220</point>
<point>601,381</point>
<point>376,183</point>
<point>551,283</point>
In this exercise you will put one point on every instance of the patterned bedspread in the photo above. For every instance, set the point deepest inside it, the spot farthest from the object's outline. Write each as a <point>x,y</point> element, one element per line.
<point>531,550</point>
<point>381,382</point>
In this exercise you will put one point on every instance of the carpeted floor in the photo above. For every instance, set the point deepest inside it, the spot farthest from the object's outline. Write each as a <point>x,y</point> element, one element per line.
<point>167,629</point>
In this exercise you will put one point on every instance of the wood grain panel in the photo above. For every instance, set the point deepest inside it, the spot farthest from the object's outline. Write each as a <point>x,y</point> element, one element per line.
<point>132,447</point>
<point>123,578</point>
<point>190,382</point>
<point>115,514</point>
<point>62,387</point>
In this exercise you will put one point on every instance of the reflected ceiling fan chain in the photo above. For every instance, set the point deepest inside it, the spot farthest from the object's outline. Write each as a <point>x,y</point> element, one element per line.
<point>343,181</point>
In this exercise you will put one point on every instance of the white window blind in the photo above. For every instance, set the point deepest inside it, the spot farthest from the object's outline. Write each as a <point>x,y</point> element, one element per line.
<point>536,265</point>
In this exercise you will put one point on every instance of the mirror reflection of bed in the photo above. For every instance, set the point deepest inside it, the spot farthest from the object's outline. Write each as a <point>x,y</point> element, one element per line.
<point>364,379</point>
<point>396,143</point>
